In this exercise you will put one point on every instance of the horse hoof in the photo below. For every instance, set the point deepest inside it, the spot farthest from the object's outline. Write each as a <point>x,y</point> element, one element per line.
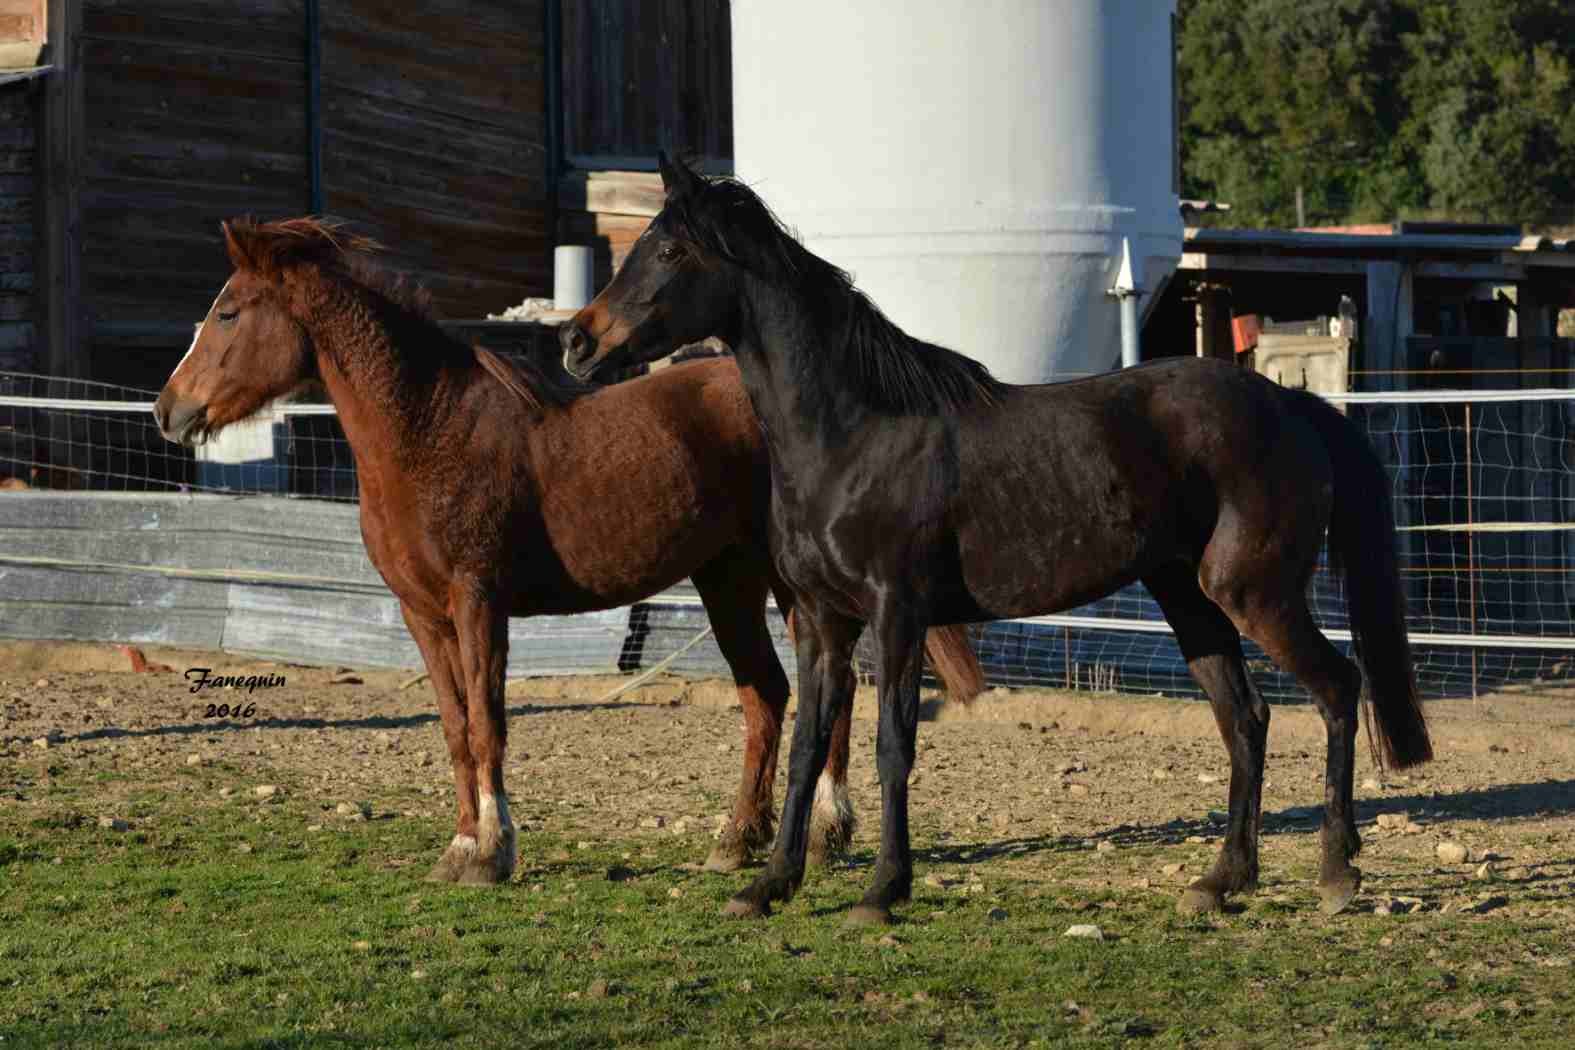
<point>743,908</point>
<point>443,871</point>
<point>483,873</point>
<point>724,860</point>
<point>1336,894</point>
<point>1199,900</point>
<point>869,915</point>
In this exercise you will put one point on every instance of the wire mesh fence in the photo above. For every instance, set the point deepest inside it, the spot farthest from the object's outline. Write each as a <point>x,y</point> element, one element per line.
<point>1483,484</point>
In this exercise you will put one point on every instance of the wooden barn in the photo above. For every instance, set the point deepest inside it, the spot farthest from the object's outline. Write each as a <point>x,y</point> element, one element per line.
<point>460,135</point>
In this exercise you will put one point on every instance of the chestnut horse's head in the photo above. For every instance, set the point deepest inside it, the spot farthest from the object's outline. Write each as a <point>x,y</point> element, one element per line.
<point>677,285</point>
<point>252,347</point>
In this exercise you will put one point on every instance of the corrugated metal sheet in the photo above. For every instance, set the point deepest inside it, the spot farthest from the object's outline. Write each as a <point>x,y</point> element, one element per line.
<point>269,577</point>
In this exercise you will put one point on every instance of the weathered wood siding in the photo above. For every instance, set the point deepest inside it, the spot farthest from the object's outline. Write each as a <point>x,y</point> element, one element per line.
<point>194,112</point>
<point>434,136</point>
<point>643,75</point>
<point>18,232</point>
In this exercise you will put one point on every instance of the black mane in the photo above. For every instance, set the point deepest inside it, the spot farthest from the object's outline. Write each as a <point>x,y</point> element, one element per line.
<point>884,366</point>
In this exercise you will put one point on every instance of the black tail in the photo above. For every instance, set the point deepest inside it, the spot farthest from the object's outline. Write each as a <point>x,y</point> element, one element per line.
<point>1362,544</point>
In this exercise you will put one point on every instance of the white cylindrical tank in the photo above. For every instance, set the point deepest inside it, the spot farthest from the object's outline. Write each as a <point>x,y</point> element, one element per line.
<point>976,165</point>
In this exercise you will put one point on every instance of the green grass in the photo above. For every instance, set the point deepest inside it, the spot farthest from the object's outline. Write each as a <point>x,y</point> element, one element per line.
<point>169,935</point>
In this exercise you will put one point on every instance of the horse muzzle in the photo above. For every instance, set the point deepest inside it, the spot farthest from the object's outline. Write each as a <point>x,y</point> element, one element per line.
<point>183,422</point>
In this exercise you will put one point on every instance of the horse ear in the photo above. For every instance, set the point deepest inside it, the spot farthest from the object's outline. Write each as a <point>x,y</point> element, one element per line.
<point>240,241</point>
<point>677,179</point>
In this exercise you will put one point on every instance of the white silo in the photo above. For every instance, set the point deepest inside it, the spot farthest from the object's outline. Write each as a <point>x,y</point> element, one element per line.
<point>977,165</point>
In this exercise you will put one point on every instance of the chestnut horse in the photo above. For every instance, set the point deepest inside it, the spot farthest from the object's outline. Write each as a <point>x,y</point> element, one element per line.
<point>490,490</point>
<point>911,488</point>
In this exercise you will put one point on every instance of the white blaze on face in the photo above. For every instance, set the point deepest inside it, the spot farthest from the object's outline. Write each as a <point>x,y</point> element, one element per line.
<point>198,333</point>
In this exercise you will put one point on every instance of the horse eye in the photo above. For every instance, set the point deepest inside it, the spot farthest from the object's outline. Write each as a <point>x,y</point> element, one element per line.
<point>228,315</point>
<point>668,252</point>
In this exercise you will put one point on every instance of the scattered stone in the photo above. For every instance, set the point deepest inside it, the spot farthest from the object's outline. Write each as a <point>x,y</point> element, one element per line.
<point>194,760</point>
<point>423,758</point>
<point>1140,884</point>
<point>345,677</point>
<point>42,683</point>
<point>1209,778</point>
<point>1105,846</point>
<point>1453,853</point>
<point>1001,821</point>
<point>113,823</point>
<point>418,975</point>
<point>888,941</point>
<point>1371,784</point>
<point>1196,840</point>
<point>1518,874</point>
<point>265,790</point>
<point>1078,766</point>
<point>245,847</point>
<point>653,822</point>
<point>1218,817</point>
<point>935,882</point>
<point>675,892</point>
<point>383,739</point>
<point>598,989</point>
<point>362,946</point>
<point>1393,821</point>
<point>920,997</point>
<point>1486,904</point>
<point>226,792</point>
<point>1077,790</point>
<point>1160,774</point>
<point>42,741</point>
<point>1484,873</point>
<point>353,810</point>
<point>314,827</point>
<point>1173,869</point>
<point>1085,930</point>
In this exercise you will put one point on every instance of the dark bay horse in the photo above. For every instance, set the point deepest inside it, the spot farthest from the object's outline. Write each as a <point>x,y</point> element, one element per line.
<point>489,490</point>
<point>911,488</point>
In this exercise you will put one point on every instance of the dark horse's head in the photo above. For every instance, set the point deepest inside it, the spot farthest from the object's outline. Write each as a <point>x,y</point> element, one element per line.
<point>679,282</point>
<point>253,346</point>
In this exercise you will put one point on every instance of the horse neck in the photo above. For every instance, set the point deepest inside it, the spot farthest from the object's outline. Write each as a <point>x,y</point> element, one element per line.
<point>800,402</point>
<point>389,403</point>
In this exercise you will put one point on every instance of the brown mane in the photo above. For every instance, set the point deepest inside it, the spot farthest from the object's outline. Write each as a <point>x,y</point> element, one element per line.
<point>268,249</point>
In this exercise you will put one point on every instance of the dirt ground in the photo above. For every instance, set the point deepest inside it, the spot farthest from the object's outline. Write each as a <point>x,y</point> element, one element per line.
<point>1110,779</point>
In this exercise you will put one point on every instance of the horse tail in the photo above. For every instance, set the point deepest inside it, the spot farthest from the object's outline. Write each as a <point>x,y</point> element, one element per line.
<point>949,649</point>
<point>954,661</point>
<point>1362,546</point>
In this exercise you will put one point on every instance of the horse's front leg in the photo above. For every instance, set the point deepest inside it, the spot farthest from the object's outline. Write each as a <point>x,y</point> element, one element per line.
<point>824,646</point>
<point>901,645</point>
<point>440,652</point>
<point>482,628</point>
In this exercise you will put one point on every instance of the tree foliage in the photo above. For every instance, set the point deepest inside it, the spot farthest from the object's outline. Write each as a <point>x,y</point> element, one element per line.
<point>1380,108</point>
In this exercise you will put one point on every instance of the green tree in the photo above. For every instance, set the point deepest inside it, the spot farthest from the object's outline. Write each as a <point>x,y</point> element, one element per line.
<point>1379,108</point>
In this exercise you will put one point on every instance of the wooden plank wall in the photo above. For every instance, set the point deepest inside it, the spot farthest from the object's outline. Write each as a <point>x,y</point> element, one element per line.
<point>434,131</point>
<point>195,111</point>
<point>18,229</point>
<point>643,75</point>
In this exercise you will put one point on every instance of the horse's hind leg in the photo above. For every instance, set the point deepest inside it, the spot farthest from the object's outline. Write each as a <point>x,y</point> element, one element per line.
<point>1211,646</point>
<point>733,589</point>
<point>1290,636</point>
<point>1272,610</point>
